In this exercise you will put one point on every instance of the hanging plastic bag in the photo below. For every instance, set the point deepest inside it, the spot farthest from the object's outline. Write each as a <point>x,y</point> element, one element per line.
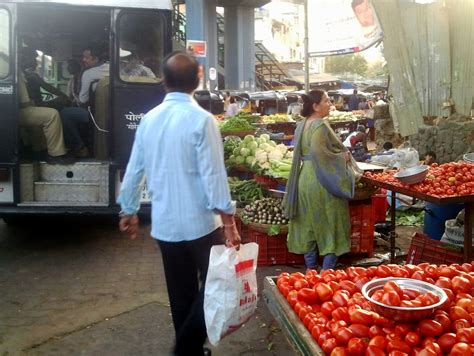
<point>230,296</point>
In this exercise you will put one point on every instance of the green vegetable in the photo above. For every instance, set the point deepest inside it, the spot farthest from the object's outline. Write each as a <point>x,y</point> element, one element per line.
<point>235,124</point>
<point>410,217</point>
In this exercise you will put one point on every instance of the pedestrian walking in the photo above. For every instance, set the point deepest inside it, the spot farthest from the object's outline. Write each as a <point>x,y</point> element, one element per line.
<point>178,148</point>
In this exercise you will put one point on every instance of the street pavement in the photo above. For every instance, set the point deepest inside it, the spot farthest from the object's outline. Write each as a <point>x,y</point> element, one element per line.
<point>79,287</point>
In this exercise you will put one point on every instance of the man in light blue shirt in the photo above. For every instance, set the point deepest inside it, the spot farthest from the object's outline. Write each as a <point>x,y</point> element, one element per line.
<point>178,148</point>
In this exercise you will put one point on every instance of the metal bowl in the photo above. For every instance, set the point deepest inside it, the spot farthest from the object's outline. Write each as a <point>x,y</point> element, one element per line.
<point>412,175</point>
<point>469,157</point>
<point>404,314</point>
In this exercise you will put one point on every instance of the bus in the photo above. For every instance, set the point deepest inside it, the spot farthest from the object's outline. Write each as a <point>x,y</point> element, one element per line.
<point>131,32</point>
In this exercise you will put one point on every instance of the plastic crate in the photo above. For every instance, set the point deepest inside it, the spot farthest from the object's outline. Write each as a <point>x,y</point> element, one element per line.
<point>266,182</point>
<point>272,250</point>
<point>362,226</point>
<point>424,249</point>
<point>379,201</point>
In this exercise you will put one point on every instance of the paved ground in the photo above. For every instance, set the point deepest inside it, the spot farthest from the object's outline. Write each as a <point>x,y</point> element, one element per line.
<point>84,289</point>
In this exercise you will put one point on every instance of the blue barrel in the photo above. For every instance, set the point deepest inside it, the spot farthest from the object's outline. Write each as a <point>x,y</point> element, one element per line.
<point>436,216</point>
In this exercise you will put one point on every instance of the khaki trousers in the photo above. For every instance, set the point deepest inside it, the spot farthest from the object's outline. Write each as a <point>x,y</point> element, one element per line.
<point>50,122</point>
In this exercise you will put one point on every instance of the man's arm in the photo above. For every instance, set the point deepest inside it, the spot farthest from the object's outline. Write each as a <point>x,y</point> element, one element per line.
<point>86,81</point>
<point>129,197</point>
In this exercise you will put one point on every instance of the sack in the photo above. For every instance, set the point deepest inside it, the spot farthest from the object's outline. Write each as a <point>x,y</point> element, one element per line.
<point>453,233</point>
<point>230,296</point>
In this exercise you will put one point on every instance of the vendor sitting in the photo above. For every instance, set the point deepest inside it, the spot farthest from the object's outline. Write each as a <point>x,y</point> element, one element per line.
<point>430,158</point>
<point>356,142</point>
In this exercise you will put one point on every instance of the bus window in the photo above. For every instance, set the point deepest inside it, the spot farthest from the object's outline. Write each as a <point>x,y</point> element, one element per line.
<point>4,43</point>
<point>140,47</point>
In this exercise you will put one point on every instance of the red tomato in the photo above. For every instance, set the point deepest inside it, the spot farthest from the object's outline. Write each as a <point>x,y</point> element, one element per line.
<point>334,325</point>
<point>339,351</point>
<point>295,276</point>
<point>327,308</point>
<point>324,292</point>
<point>317,330</point>
<point>308,295</point>
<point>460,284</point>
<point>430,328</point>
<point>378,341</point>
<point>341,313</point>
<point>412,339</point>
<point>349,286</point>
<point>301,283</point>
<point>343,335</point>
<point>465,335</point>
<point>447,341</point>
<point>397,353</point>
<point>461,349</point>
<point>334,286</point>
<point>324,336</point>
<point>376,330</point>
<point>394,287</point>
<point>356,346</point>
<point>456,313</point>
<point>383,271</point>
<point>398,345</point>
<point>433,349</point>
<point>329,345</point>
<point>359,330</point>
<point>340,299</point>
<point>444,320</point>
<point>305,310</point>
<point>362,317</point>
<point>391,298</point>
<point>374,351</point>
<point>411,293</point>
<point>443,282</point>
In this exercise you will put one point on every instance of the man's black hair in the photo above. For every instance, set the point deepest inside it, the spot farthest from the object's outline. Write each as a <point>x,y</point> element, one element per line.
<point>431,153</point>
<point>98,50</point>
<point>387,145</point>
<point>182,77</point>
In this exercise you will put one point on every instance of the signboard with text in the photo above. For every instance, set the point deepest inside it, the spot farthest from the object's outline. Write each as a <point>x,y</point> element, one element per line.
<point>196,48</point>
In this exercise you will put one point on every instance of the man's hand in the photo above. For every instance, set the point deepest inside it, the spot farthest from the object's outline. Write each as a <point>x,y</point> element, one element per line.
<point>232,236</point>
<point>130,225</point>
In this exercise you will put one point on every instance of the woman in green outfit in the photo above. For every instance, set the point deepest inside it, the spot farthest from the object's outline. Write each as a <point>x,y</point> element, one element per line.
<point>320,184</point>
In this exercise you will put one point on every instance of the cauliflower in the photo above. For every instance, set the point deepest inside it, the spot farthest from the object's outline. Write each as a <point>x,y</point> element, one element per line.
<point>289,154</point>
<point>282,148</point>
<point>250,160</point>
<point>261,156</point>
<point>276,155</point>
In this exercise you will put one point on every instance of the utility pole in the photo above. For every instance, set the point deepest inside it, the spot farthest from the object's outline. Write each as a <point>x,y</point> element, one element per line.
<point>306,49</point>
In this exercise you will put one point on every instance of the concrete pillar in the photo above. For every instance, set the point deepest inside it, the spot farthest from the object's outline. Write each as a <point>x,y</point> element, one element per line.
<point>201,25</point>
<point>239,42</point>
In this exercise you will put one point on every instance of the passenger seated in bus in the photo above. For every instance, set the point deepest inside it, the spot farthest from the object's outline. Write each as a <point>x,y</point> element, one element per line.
<point>34,83</point>
<point>96,68</point>
<point>46,119</point>
<point>74,84</point>
<point>132,66</point>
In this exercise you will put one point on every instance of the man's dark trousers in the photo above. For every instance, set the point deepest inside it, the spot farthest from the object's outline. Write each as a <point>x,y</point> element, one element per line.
<point>185,264</point>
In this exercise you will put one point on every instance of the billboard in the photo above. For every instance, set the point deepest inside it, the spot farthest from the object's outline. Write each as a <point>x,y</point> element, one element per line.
<point>341,26</point>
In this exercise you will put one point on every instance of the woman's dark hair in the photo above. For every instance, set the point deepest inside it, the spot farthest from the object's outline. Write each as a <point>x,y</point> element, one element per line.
<point>387,145</point>
<point>74,66</point>
<point>181,72</point>
<point>232,100</point>
<point>313,97</point>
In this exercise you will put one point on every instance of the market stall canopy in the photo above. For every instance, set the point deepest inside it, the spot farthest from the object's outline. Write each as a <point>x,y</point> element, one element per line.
<point>145,4</point>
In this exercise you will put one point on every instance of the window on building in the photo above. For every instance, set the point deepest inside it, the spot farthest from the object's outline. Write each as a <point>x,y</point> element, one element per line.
<point>141,42</point>
<point>4,43</point>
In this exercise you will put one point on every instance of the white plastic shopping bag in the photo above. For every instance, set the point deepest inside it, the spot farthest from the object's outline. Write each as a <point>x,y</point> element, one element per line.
<point>230,296</point>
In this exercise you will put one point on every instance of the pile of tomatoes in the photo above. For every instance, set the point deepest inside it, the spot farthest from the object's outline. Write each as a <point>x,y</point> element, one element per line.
<point>393,295</point>
<point>444,180</point>
<point>343,322</point>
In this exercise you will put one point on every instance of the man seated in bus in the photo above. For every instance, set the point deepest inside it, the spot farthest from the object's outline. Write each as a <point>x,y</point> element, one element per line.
<point>34,83</point>
<point>132,67</point>
<point>96,68</point>
<point>46,119</point>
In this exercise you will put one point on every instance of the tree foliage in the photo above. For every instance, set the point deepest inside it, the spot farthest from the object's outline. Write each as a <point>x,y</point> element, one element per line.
<point>376,69</point>
<point>349,63</point>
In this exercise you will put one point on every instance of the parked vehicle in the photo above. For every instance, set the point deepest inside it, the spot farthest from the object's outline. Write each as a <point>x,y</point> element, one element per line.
<point>60,30</point>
